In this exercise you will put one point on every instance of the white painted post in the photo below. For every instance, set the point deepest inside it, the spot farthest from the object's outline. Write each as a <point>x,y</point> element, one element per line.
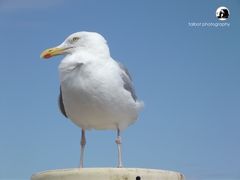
<point>108,174</point>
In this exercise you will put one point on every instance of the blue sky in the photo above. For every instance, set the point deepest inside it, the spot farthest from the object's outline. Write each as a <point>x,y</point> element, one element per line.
<point>188,77</point>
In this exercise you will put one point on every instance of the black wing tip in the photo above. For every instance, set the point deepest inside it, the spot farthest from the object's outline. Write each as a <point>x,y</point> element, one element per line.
<point>61,105</point>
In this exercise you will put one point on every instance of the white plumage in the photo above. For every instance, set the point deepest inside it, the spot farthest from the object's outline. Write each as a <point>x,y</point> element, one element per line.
<point>96,91</point>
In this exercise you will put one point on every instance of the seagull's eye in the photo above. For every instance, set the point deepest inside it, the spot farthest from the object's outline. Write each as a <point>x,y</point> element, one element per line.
<point>74,39</point>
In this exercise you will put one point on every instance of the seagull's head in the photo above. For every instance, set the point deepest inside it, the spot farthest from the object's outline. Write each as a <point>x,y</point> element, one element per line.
<point>79,41</point>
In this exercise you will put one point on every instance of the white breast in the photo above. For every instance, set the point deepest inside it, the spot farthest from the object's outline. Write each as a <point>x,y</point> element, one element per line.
<point>94,97</point>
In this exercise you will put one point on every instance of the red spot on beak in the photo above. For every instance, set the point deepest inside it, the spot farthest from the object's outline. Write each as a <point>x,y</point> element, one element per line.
<point>47,55</point>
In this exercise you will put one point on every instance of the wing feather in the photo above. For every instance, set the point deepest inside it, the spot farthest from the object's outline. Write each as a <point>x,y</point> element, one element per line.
<point>60,103</point>
<point>127,80</point>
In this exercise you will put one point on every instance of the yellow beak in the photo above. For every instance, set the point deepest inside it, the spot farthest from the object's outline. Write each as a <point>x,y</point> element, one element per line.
<point>48,53</point>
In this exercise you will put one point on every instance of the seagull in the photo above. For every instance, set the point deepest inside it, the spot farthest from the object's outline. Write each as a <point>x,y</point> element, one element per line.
<point>96,92</point>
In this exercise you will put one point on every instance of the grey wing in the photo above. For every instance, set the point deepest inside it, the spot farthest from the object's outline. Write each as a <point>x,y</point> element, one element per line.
<point>60,103</point>
<point>127,80</point>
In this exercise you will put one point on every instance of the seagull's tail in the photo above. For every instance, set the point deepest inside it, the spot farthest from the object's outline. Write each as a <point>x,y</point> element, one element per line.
<point>140,105</point>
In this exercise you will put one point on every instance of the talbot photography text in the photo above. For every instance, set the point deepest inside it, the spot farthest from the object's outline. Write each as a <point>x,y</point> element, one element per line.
<point>208,24</point>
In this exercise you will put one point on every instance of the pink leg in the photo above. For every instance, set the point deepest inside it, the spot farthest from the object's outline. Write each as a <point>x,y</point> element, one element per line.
<point>83,143</point>
<point>119,145</point>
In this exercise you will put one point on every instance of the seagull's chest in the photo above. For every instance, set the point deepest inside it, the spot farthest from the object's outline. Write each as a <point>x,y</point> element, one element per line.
<point>83,83</point>
<point>94,97</point>
<point>88,91</point>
